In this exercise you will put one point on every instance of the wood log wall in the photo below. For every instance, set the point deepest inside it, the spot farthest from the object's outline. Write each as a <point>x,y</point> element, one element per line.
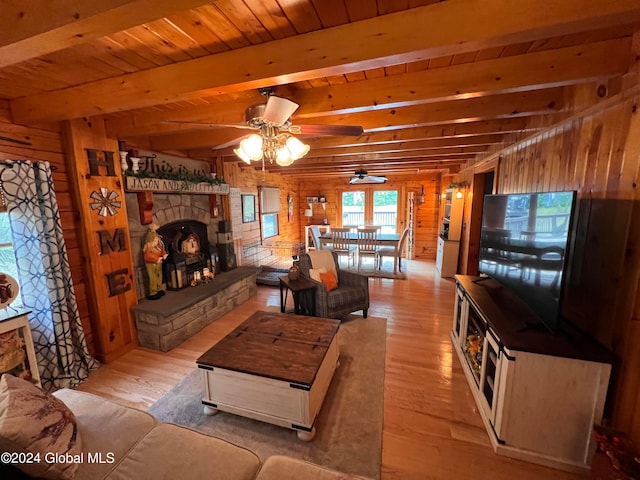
<point>426,220</point>
<point>45,144</point>
<point>248,180</point>
<point>597,153</point>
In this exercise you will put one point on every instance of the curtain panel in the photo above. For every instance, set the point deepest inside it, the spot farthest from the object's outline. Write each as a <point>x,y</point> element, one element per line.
<point>44,274</point>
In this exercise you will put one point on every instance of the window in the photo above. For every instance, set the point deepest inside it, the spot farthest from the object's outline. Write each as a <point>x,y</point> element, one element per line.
<point>269,225</point>
<point>7,255</point>
<point>269,208</point>
<point>371,206</point>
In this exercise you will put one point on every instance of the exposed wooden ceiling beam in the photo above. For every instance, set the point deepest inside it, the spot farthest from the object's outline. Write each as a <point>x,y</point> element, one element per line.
<point>39,27</point>
<point>407,36</point>
<point>447,167</point>
<point>408,148</point>
<point>510,105</point>
<point>511,74</point>
<point>193,141</point>
<point>545,69</point>
<point>379,166</point>
<point>389,157</point>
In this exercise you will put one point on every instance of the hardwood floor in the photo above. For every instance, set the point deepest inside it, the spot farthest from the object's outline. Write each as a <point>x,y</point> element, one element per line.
<point>432,429</point>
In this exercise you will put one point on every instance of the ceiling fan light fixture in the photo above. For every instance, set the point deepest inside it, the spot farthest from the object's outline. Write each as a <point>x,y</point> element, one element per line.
<point>243,156</point>
<point>283,157</point>
<point>296,147</point>
<point>252,146</point>
<point>281,149</point>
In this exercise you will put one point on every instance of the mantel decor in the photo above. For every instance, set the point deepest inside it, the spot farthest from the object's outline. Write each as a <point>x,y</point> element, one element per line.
<point>175,182</point>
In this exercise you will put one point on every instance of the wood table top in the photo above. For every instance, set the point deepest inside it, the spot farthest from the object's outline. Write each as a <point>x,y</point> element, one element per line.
<point>281,346</point>
<point>303,283</point>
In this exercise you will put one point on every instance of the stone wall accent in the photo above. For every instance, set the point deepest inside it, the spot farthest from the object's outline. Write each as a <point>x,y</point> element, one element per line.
<point>166,323</point>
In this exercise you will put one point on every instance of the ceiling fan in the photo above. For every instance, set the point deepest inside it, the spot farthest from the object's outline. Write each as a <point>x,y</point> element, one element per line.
<point>273,139</point>
<point>362,177</point>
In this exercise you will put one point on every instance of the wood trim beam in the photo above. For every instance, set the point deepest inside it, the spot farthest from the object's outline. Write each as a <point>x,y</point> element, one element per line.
<point>506,106</point>
<point>408,36</point>
<point>544,69</point>
<point>193,141</point>
<point>39,27</point>
<point>408,148</point>
<point>445,167</point>
<point>373,168</point>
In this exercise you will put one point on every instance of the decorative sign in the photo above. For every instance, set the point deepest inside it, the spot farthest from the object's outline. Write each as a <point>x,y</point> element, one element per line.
<point>136,184</point>
<point>105,202</point>
<point>156,163</point>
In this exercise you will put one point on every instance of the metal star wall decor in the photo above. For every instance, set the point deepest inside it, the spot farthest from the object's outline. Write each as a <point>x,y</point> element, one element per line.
<point>105,202</point>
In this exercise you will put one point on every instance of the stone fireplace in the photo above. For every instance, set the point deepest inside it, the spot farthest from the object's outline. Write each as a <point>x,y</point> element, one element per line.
<point>164,323</point>
<point>170,212</point>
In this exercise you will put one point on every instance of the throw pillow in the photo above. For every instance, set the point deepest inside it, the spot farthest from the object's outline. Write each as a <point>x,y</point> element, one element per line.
<point>314,273</point>
<point>330,280</point>
<point>34,423</point>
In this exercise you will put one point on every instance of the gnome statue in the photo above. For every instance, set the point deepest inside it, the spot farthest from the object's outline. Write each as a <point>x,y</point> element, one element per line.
<point>154,254</point>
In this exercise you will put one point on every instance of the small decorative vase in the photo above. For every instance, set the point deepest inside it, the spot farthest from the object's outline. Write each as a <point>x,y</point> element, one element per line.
<point>123,161</point>
<point>135,164</point>
<point>294,273</point>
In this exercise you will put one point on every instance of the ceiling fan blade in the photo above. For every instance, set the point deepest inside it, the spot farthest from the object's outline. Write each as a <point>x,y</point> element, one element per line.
<point>228,144</point>
<point>367,180</point>
<point>211,124</point>
<point>278,110</point>
<point>331,130</point>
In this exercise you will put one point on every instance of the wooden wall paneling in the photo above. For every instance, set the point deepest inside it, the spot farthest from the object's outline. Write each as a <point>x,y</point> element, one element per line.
<point>109,274</point>
<point>248,179</point>
<point>598,154</point>
<point>628,385</point>
<point>5,111</point>
<point>548,162</point>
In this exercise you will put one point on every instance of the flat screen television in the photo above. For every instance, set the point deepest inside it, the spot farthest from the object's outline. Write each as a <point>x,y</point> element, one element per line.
<point>524,245</point>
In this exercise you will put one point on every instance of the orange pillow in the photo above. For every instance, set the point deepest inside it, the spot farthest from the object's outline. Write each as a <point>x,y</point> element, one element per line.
<point>330,280</point>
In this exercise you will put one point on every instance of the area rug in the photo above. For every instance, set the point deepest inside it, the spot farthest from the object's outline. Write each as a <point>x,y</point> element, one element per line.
<point>349,427</point>
<point>385,271</point>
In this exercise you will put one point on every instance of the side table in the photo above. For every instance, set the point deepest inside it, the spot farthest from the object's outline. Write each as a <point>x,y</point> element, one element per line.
<point>299,289</point>
<point>17,354</point>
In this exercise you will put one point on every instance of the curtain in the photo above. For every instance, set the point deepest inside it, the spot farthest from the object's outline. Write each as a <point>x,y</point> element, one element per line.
<point>44,274</point>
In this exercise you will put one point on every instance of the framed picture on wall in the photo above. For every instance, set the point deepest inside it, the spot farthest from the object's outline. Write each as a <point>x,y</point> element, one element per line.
<point>248,208</point>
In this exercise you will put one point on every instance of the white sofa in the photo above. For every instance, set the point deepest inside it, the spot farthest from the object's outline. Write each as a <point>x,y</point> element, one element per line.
<point>143,448</point>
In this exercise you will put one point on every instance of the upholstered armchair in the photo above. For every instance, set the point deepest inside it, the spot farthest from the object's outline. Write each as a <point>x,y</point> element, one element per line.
<point>352,293</point>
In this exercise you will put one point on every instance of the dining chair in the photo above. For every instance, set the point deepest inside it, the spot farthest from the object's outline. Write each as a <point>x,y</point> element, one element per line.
<point>315,237</point>
<point>367,245</point>
<point>342,244</point>
<point>395,251</point>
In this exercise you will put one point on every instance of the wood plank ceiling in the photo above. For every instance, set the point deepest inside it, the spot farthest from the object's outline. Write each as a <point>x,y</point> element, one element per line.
<point>432,83</point>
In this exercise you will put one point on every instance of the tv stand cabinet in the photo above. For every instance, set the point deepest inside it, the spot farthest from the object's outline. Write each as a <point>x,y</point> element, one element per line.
<point>539,393</point>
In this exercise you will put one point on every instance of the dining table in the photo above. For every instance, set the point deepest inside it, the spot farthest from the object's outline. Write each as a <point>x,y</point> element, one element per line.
<point>383,239</point>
